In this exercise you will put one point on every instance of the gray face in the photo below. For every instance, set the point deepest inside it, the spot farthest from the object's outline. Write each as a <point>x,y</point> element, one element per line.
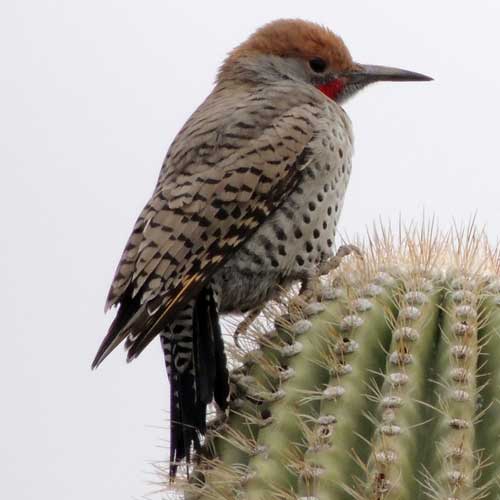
<point>274,68</point>
<point>310,72</point>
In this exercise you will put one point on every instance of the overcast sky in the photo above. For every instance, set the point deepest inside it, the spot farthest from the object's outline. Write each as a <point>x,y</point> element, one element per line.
<point>91,95</point>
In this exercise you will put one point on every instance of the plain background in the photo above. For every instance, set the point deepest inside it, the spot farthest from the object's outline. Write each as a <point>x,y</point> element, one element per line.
<point>91,95</point>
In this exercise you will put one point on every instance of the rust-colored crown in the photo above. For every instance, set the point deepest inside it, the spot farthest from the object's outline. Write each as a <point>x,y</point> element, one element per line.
<point>293,38</point>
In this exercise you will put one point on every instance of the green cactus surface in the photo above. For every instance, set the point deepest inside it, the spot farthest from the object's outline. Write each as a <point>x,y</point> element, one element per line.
<point>384,385</point>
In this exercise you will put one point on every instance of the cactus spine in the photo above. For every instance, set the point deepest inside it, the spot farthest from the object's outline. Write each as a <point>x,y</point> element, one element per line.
<point>387,387</point>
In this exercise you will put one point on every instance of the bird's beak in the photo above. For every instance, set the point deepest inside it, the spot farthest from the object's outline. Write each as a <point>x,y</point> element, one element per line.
<point>366,73</point>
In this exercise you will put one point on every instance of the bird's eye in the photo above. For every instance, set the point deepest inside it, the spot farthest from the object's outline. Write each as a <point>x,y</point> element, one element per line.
<point>318,65</point>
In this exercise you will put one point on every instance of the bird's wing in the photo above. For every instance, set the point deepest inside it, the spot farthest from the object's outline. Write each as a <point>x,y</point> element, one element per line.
<point>213,193</point>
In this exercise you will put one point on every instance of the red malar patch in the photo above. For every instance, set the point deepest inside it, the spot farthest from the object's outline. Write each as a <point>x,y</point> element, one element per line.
<point>332,89</point>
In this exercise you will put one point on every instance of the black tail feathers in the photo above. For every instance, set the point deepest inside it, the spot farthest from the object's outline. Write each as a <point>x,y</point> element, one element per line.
<point>212,377</point>
<point>204,380</point>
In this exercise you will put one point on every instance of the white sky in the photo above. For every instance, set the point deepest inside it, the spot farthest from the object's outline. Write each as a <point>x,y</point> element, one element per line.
<point>91,95</point>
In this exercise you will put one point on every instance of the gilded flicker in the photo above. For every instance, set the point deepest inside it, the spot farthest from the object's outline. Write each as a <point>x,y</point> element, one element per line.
<point>247,202</point>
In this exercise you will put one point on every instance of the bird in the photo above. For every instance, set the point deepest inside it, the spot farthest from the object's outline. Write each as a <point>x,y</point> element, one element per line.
<point>247,203</point>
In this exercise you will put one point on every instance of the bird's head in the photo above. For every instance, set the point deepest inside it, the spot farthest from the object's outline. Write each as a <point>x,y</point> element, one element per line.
<point>294,49</point>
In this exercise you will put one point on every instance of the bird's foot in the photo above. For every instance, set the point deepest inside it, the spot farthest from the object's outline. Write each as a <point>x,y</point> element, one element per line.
<point>310,287</point>
<point>245,325</point>
<point>219,419</point>
<point>334,262</point>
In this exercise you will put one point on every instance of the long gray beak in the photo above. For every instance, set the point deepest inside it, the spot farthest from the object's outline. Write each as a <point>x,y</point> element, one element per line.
<point>368,73</point>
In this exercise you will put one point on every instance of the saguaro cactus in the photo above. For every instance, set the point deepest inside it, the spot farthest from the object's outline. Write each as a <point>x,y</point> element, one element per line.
<point>385,386</point>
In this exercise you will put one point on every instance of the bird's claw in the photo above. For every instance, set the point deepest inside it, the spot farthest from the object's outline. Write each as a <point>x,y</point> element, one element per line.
<point>334,262</point>
<point>308,290</point>
<point>245,325</point>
